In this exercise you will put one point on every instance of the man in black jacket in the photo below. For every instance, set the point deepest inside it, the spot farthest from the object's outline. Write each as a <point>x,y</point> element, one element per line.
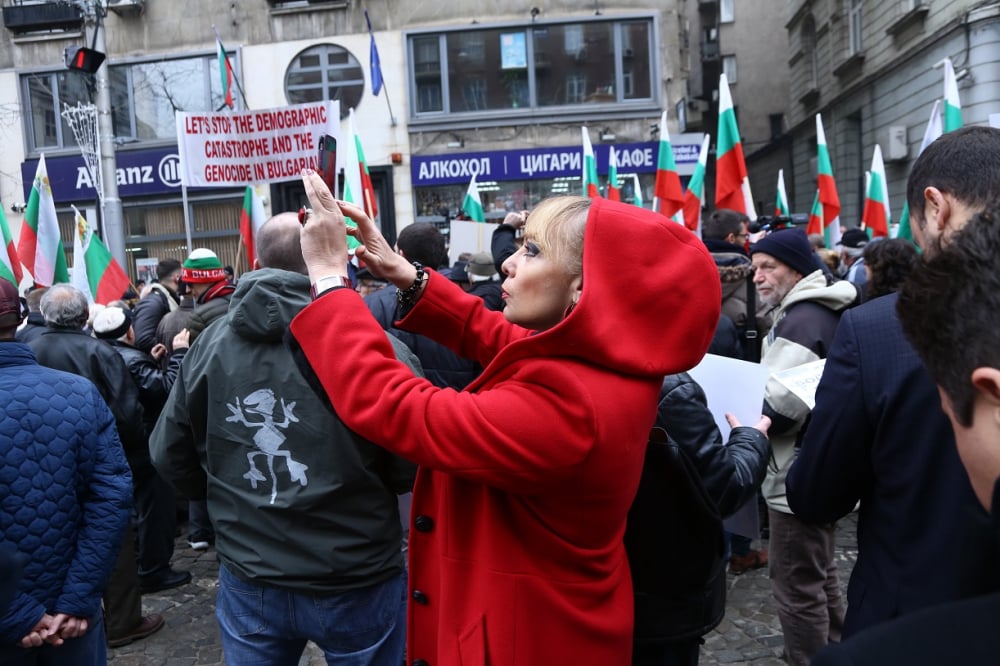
<point>155,510</point>
<point>160,299</point>
<point>67,347</point>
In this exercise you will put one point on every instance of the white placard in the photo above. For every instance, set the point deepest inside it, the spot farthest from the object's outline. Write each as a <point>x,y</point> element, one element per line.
<point>995,120</point>
<point>732,386</point>
<point>469,237</point>
<point>802,381</point>
<point>247,147</point>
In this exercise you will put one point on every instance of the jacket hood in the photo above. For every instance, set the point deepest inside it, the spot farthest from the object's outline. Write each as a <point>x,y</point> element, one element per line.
<point>265,302</point>
<point>651,295</point>
<point>813,287</point>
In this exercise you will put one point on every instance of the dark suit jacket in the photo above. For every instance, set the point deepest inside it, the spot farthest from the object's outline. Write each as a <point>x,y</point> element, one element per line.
<point>878,435</point>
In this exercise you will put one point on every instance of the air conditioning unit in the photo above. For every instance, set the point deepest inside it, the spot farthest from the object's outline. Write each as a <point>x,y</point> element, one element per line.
<point>127,7</point>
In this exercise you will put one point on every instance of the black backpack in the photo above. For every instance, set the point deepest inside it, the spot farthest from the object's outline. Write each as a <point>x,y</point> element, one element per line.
<point>674,542</point>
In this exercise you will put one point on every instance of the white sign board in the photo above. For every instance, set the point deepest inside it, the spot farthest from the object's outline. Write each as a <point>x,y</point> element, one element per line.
<point>732,386</point>
<point>469,237</point>
<point>802,381</point>
<point>261,146</point>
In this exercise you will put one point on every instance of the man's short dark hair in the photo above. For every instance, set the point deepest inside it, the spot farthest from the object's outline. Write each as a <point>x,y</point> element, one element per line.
<point>165,267</point>
<point>423,242</point>
<point>889,261</point>
<point>720,223</point>
<point>950,309</point>
<point>964,163</point>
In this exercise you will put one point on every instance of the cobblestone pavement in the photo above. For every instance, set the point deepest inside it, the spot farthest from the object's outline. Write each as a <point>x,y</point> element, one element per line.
<point>749,634</point>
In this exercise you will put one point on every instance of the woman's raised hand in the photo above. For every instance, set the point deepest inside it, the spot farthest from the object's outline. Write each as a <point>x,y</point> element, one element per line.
<point>375,251</point>
<point>324,232</point>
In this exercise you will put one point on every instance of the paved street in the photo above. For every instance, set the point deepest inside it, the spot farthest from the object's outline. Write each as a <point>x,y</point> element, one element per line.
<point>749,634</point>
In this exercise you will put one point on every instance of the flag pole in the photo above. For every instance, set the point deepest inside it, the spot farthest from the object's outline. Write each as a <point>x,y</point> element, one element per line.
<point>375,64</point>
<point>236,79</point>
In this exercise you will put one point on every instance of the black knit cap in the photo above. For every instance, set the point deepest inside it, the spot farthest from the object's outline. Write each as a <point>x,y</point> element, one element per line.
<point>790,247</point>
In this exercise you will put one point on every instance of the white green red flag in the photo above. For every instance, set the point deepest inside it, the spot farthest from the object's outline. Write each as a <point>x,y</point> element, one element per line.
<point>358,188</point>
<point>781,201</point>
<point>815,216</point>
<point>668,197</point>
<point>589,173</point>
<point>695,195</point>
<point>636,191</point>
<point>95,272</point>
<point>732,184</point>
<point>252,216</point>
<point>952,104</point>
<point>876,216</point>
<point>931,133</point>
<point>614,189</point>
<point>828,196</point>
<point>226,76</point>
<point>472,205</point>
<point>40,246</point>
<point>10,265</point>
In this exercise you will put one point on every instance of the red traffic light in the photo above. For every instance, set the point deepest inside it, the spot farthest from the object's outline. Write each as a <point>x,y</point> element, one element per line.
<point>83,59</point>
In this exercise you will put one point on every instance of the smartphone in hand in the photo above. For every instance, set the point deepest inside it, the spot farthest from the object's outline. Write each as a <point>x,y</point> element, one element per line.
<point>326,165</point>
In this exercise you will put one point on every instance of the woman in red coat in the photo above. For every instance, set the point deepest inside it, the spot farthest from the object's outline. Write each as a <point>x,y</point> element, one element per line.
<point>527,475</point>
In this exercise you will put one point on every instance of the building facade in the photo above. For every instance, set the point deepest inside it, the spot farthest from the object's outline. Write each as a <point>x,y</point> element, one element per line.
<point>501,92</point>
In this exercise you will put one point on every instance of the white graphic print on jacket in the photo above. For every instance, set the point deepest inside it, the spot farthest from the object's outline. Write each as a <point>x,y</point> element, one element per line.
<point>268,437</point>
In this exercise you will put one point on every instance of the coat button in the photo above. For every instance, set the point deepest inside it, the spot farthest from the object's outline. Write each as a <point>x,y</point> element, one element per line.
<point>420,662</point>
<point>419,597</point>
<point>423,523</point>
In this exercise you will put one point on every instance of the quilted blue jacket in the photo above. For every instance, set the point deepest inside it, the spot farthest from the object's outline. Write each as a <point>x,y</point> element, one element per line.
<point>65,490</point>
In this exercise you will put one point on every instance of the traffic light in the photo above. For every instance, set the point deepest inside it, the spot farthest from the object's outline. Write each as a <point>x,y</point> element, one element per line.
<point>83,59</point>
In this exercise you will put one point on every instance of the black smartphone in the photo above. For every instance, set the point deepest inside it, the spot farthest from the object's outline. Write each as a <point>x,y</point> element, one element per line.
<point>326,165</point>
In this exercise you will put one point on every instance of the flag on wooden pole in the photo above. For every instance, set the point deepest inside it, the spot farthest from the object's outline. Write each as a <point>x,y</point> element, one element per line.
<point>828,196</point>
<point>10,265</point>
<point>781,201</point>
<point>251,218</point>
<point>472,205</point>
<point>95,272</point>
<point>614,191</point>
<point>695,195</point>
<point>589,165</point>
<point>40,245</point>
<point>668,197</point>
<point>732,184</point>
<point>876,215</point>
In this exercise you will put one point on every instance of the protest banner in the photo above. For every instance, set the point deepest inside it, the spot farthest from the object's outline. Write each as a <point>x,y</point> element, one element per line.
<point>228,148</point>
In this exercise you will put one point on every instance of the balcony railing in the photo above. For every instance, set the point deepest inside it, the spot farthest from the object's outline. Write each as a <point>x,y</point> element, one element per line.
<point>37,17</point>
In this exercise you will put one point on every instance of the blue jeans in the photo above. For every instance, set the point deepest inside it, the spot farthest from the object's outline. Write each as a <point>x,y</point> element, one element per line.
<point>265,625</point>
<point>89,650</point>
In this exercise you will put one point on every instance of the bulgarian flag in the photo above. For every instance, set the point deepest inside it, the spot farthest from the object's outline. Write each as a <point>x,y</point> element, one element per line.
<point>732,185</point>
<point>614,191</point>
<point>781,202</point>
<point>952,105</point>
<point>876,215</point>
<point>695,195</point>
<point>40,246</point>
<point>225,72</point>
<point>636,191</point>
<point>252,216</point>
<point>668,198</point>
<point>815,216</point>
<point>358,188</point>
<point>472,205</point>
<point>589,175</point>
<point>932,132</point>
<point>95,272</point>
<point>10,265</point>
<point>828,196</point>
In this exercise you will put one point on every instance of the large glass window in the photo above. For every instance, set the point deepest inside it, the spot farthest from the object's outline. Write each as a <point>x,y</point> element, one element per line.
<point>144,97</point>
<point>855,26</point>
<point>543,65</point>
<point>325,72</point>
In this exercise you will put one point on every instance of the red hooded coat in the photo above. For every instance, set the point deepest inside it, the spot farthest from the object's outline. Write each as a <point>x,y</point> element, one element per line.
<point>526,476</point>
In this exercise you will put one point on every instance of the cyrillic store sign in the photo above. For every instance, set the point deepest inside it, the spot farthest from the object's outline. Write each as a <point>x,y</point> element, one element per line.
<point>140,173</point>
<point>539,163</point>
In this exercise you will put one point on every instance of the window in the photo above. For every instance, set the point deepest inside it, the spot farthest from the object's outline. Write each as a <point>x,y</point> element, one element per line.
<point>854,26</point>
<point>488,70</point>
<point>726,11</point>
<point>809,49</point>
<point>144,97</point>
<point>325,72</point>
<point>776,121</point>
<point>729,68</point>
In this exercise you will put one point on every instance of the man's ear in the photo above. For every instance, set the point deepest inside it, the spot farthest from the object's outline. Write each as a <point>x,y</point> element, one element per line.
<point>937,208</point>
<point>987,383</point>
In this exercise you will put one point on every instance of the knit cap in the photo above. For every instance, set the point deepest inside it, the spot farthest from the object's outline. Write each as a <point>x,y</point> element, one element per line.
<point>112,322</point>
<point>202,267</point>
<point>790,247</point>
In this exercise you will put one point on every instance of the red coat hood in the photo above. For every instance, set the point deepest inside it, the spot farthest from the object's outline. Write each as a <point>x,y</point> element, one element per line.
<point>650,301</point>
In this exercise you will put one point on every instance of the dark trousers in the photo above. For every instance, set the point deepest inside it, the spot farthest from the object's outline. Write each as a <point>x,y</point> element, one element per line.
<point>155,518</point>
<point>122,598</point>
<point>674,653</point>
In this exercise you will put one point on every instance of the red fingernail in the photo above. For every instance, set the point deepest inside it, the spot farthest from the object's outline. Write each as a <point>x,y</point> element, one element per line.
<point>302,215</point>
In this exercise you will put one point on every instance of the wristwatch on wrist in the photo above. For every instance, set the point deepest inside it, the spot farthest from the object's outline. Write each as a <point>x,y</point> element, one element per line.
<point>328,282</point>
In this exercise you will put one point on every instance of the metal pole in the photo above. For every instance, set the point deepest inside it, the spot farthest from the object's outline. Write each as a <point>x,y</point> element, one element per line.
<point>114,223</point>
<point>187,217</point>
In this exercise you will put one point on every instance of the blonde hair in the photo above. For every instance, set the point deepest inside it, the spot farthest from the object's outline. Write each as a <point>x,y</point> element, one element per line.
<point>557,225</point>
